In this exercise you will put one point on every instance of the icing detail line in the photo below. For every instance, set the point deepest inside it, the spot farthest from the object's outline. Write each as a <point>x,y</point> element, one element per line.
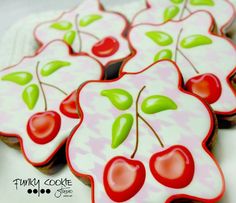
<point>41,86</point>
<point>177,49</point>
<point>78,32</point>
<point>137,125</point>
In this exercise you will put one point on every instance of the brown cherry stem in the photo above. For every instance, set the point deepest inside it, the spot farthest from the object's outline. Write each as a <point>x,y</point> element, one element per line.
<point>90,34</point>
<point>194,68</point>
<point>182,11</point>
<point>188,10</point>
<point>152,129</point>
<point>177,50</point>
<point>137,125</point>
<point>78,32</point>
<point>55,87</point>
<point>41,86</point>
<point>177,43</point>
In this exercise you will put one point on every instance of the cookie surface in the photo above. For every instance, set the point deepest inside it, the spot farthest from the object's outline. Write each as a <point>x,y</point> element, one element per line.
<point>88,28</point>
<point>206,60</point>
<point>161,11</point>
<point>38,99</point>
<point>138,131</point>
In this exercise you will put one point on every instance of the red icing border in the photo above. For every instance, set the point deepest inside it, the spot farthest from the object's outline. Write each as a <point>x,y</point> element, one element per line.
<point>204,142</point>
<point>227,24</point>
<point>102,9</point>
<point>134,51</point>
<point>37,164</point>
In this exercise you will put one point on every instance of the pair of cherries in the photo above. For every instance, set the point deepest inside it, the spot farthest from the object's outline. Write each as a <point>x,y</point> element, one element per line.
<point>43,127</point>
<point>173,167</point>
<point>123,177</point>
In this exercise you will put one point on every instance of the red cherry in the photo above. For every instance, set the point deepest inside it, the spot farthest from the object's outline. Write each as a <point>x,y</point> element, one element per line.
<point>207,86</point>
<point>123,178</point>
<point>106,47</point>
<point>173,167</point>
<point>44,126</point>
<point>68,106</point>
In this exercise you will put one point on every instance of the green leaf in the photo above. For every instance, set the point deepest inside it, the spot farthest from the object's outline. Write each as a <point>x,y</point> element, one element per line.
<point>53,66</point>
<point>120,98</point>
<point>120,129</point>
<point>20,78</point>
<point>202,2</point>
<point>160,38</point>
<point>177,1</point>
<point>194,41</point>
<point>69,37</point>
<point>157,103</point>
<point>62,25</point>
<point>89,19</point>
<point>170,12</point>
<point>163,54</point>
<point>30,95</point>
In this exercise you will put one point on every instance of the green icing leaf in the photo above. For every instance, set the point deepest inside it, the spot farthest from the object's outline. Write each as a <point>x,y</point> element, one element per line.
<point>202,2</point>
<point>157,103</point>
<point>170,12</point>
<point>53,66</point>
<point>30,95</point>
<point>62,25</point>
<point>120,129</point>
<point>120,98</point>
<point>163,54</point>
<point>194,41</point>
<point>160,38</point>
<point>69,37</point>
<point>20,78</point>
<point>177,1</point>
<point>89,19</point>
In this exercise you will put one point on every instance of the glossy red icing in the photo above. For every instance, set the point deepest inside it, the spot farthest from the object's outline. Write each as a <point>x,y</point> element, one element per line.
<point>173,167</point>
<point>207,86</point>
<point>68,106</point>
<point>106,47</point>
<point>44,126</point>
<point>123,178</point>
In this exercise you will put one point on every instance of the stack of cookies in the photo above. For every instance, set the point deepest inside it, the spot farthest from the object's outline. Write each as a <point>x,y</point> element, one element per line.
<point>132,106</point>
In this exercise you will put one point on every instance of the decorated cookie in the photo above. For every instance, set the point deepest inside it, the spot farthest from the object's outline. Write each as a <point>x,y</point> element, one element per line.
<point>90,29</point>
<point>206,61</point>
<point>139,140</point>
<point>163,10</point>
<point>38,99</point>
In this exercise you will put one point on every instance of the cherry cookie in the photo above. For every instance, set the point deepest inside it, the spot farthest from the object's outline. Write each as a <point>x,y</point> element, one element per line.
<point>89,28</point>
<point>206,61</point>
<point>163,10</point>
<point>38,100</point>
<point>139,140</point>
